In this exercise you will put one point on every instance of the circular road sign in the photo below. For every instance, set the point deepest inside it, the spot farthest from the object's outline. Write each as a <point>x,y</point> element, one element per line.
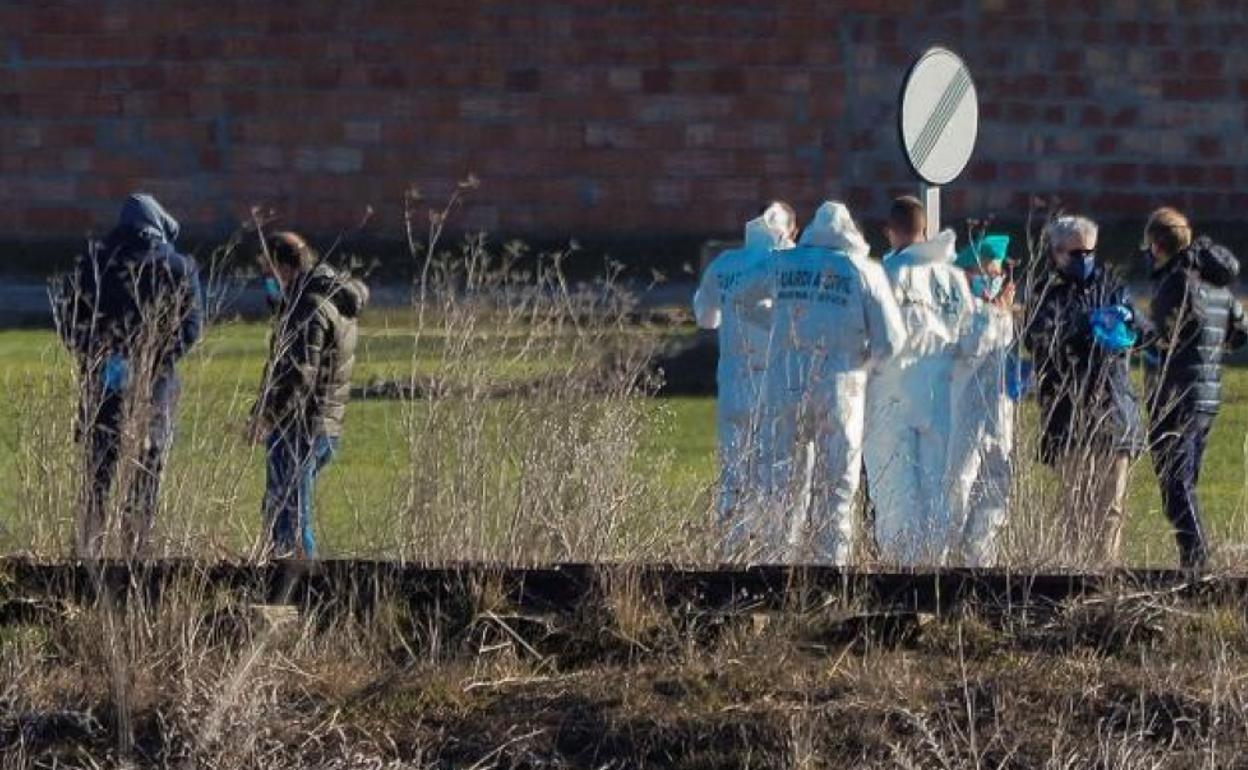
<point>939,116</point>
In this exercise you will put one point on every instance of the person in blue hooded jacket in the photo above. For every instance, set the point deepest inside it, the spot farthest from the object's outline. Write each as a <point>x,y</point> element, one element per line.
<point>1080,327</point>
<point>129,310</point>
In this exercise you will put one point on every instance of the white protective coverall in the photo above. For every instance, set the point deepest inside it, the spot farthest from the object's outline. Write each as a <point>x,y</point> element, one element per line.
<point>908,419</point>
<point>743,336</point>
<point>833,319</point>
<point>978,477</point>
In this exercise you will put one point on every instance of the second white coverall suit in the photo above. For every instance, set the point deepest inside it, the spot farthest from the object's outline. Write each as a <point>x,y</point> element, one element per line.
<point>978,476</point>
<point>833,318</point>
<point>743,336</point>
<point>908,413</point>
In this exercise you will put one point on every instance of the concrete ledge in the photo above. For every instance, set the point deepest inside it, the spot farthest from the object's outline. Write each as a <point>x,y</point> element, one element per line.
<point>567,587</point>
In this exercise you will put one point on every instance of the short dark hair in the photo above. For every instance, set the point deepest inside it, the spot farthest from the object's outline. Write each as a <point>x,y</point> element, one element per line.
<point>907,216</point>
<point>291,250</point>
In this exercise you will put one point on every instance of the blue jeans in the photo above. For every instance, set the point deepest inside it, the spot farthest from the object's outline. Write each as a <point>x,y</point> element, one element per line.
<point>293,464</point>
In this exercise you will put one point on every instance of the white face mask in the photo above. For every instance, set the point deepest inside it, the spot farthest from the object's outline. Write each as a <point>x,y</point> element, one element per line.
<point>987,286</point>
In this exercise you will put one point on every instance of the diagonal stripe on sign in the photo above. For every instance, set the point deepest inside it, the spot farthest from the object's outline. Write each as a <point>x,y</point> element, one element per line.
<point>939,120</point>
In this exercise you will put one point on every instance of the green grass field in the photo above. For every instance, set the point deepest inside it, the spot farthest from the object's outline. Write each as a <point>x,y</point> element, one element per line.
<point>219,478</point>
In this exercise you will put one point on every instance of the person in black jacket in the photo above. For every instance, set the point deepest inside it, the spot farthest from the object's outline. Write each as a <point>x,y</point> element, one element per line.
<point>1090,419</point>
<point>128,311</point>
<point>1195,318</point>
<point>306,385</point>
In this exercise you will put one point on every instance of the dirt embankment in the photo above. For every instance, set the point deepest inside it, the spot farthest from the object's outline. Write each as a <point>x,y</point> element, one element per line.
<point>1125,679</point>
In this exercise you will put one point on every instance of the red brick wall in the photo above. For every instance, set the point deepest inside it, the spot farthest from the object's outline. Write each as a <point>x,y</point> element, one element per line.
<point>589,117</point>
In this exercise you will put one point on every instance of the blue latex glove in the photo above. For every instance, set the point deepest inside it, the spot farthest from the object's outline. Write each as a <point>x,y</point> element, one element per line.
<point>272,289</point>
<point>1017,377</point>
<point>116,374</point>
<point>1110,330</point>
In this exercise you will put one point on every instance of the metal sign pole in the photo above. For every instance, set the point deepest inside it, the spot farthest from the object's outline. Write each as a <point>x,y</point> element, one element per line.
<point>931,201</point>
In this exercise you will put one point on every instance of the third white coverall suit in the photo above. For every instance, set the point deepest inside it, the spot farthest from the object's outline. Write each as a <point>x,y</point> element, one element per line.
<point>833,318</point>
<point>908,410</point>
<point>743,335</point>
<point>978,476</point>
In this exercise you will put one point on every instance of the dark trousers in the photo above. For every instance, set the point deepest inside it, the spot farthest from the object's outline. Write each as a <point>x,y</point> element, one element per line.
<point>112,436</point>
<point>294,461</point>
<point>1178,445</point>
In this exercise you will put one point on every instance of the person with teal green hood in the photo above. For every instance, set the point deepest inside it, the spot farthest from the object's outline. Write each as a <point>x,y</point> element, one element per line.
<point>978,474</point>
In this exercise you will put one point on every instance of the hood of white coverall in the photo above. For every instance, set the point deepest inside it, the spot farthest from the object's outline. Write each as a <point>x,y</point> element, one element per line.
<point>834,228</point>
<point>759,236</point>
<point>779,219</point>
<point>938,249</point>
<point>770,230</point>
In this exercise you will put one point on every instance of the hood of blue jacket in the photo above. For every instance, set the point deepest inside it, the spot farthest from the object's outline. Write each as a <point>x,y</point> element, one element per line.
<point>143,214</point>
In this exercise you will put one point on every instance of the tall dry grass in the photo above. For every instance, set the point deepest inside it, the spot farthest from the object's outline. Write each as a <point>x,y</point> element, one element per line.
<point>549,469</point>
<point>514,432</point>
<point>545,466</point>
<point>514,435</point>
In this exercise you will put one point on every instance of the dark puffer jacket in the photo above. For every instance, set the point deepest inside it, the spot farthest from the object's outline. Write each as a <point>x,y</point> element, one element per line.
<point>312,352</point>
<point>1196,318</point>
<point>1084,391</point>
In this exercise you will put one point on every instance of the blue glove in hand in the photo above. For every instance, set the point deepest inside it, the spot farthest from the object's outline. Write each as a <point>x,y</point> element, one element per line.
<point>1017,377</point>
<point>116,374</point>
<point>1110,330</point>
